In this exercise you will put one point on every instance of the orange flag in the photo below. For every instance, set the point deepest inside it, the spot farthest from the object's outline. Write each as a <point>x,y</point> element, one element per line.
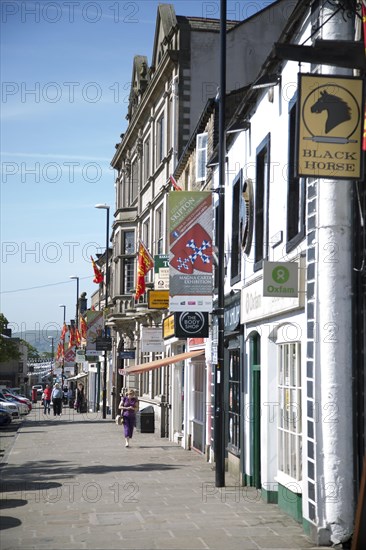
<point>63,332</point>
<point>174,183</point>
<point>83,327</point>
<point>98,274</point>
<point>144,264</point>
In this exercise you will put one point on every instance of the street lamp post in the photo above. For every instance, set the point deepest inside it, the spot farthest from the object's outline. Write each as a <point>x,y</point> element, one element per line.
<point>77,311</point>
<point>63,349</point>
<point>52,354</point>
<point>104,390</point>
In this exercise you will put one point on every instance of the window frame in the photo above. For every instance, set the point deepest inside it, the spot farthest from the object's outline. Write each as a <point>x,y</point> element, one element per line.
<point>289,435</point>
<point>261,203</point>
<point>295,201</point>
<point>201,152</point>
<point>236,220</point>
<point>128,262</point>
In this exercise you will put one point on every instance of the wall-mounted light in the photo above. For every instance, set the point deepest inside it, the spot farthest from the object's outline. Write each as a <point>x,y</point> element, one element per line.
<point>266,81</point>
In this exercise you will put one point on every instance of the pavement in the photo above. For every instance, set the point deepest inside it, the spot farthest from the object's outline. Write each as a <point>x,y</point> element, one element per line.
<point>69,482</point>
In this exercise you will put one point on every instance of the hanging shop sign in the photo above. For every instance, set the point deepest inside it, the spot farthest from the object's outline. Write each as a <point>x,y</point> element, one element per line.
<point>158,299</point>
<point>168,326</point>
<point>151,339</point>
<point>161,272</point>
<point>190,254</point>
<point>127,354</point>
<point>186,324</point>
<point>330,118</point>
<point>280,279</point>
<point>189,324</point>
<point>103,344</point>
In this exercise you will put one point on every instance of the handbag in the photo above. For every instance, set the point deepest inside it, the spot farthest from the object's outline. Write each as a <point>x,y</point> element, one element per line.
<point>119,420</point>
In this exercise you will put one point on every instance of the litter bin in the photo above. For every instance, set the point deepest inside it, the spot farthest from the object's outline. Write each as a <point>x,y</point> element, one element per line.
<point>145,421</point>
<point>34,395</point>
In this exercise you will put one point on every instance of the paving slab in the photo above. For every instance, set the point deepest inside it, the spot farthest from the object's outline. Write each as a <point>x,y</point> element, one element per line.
<point>69,483</point>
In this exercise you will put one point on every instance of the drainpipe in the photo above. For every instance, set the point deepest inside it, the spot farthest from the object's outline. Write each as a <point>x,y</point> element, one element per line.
<point>174,125</point>
<point>334,357</point>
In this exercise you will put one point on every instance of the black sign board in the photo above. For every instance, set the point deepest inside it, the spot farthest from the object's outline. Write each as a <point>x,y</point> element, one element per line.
<point>191,324</point>
<point>103,344</point>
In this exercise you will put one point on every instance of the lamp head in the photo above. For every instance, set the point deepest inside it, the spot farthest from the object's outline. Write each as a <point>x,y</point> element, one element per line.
<point>73,277</point>
<point>103,206</point>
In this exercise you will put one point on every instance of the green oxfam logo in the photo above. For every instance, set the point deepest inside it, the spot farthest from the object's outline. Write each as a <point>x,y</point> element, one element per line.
<point>280,274</point>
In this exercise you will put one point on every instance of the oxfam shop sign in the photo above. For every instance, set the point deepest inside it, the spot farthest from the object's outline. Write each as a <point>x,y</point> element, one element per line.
<point>280,279</point>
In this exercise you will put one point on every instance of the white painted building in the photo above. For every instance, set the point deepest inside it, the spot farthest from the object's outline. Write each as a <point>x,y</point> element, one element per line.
<point>290,415</point>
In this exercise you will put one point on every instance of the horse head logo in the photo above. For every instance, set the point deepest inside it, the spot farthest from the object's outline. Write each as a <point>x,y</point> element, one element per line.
<point>337,109</point>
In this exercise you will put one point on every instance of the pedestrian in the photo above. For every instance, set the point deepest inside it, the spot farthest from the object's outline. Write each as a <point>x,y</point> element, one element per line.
<point>57,400</point>
<point>80,398</point>
<point>46,396</point>
<point>129,405</point>
<point>70,397</point>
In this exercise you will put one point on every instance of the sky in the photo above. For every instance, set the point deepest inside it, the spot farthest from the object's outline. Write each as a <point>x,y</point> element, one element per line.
<point>66,67</point>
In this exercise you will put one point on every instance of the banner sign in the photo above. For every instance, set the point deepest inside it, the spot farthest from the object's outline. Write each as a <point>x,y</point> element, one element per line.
<point>280,279</point>
<point>161,272</point>
<point>190,254</point>
<point>95,326</point>
<point>330,119</point>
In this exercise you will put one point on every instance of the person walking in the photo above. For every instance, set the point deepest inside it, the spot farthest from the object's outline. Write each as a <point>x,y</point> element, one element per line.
<point>56,397</point>
<point>79,398</point>
<point>129,405</point>
<point>46,396</point>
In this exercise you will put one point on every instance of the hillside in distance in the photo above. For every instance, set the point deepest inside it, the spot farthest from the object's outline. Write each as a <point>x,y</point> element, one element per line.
<point>40,339</point>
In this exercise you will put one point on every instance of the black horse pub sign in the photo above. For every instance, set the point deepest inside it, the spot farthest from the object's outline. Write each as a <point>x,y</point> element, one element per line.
<point>330,118</point>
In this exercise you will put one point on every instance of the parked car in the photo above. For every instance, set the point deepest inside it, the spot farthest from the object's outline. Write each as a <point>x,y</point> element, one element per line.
<point>5,417</point>
<point>19,398</point>
<point>11,407</point>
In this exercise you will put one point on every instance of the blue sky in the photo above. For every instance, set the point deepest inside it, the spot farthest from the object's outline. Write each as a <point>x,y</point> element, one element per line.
<point>66,69</point>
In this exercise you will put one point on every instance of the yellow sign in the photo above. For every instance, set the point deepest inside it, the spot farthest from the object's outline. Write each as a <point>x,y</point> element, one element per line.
<point>158,299</point>
<point>169,326</point>
<point>330,120</point>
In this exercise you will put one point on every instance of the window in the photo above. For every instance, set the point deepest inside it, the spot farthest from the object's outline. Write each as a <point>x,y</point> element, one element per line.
<point>160,141</point>
<point>235,231</point>
<point>295,189</point>
<point>234,398</point>
<point>201,157</point>
<point>159,231</point>
<point>128,261</point>
<point>289,421</point>
<point>261,203</point>
<point>134,181</point>
<point>146,160</point>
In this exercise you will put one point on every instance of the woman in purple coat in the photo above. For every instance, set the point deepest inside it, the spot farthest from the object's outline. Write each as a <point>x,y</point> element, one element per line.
<point>129,406</point>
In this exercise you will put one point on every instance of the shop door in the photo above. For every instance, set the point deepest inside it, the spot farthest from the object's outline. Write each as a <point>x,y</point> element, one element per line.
<point>256,410</point>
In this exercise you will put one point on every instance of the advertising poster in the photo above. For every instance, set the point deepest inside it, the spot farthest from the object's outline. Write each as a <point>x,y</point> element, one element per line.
<point>94,329</point>
<point>190,251</point>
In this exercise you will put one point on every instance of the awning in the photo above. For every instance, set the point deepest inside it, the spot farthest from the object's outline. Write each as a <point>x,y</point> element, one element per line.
<point>80,375</point>
<point>143,367</point>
